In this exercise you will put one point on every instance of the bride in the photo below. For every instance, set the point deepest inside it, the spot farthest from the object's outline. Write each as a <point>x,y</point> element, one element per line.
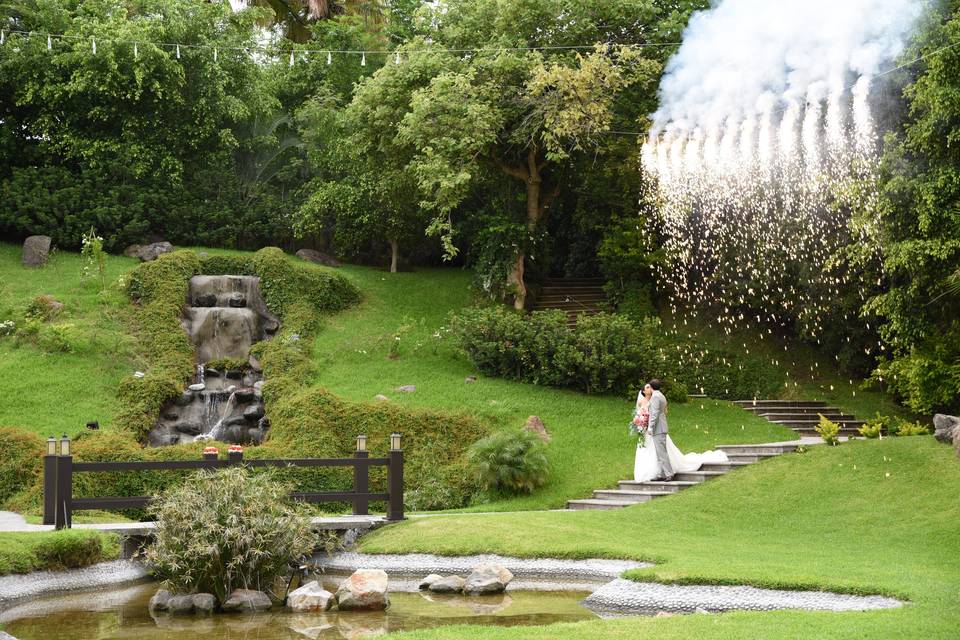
<point>645,465</point>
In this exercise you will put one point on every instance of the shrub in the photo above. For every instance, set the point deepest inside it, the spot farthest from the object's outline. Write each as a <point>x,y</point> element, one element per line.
<point>43,308</point>
<point>72,549</point>
<point>871,430</point>
<point>905,428</point>
<point>55,550</point>
<point>828,431</point>
<point>21,463</point>
<point>510,462</point>
<point>227,530</point>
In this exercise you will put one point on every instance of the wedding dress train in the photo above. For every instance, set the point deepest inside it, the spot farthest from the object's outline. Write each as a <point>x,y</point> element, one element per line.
<point>645,464</point>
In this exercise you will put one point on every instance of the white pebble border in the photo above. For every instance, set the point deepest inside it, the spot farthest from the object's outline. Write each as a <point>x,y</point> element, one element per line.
<point>421,564</point>
<point>626,596</point>
<point>105,574</point>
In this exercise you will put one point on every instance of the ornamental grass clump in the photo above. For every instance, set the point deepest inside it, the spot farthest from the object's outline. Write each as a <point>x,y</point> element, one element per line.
<point>229,529</point>
<point>510,462</point>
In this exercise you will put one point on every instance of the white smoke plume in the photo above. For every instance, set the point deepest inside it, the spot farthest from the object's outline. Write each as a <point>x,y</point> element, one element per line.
<point>744,57</point>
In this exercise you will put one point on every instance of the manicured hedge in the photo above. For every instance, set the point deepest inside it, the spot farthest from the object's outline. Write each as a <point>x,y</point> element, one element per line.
<point>55,550</point>
<point>21,462</point>
<point>605,353</point>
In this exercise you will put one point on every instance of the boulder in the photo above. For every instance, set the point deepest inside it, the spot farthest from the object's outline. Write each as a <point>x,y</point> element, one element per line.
<point>487,578</point>
<point>211,373</point>
<point>381,398</point>
<point>449,584</point>
<point>429,580</point>
<point>257,435</point>
<point>317,257</point>
<point>535,425</point>
<point>189,428</point>
<point>244,394</point>
<point>469,379</point>
<point>264,423</point>
<point>36,251</point>
<point>945,427</point>
<point>152,251</point>
<point>204,602</point>
<point>365,590</point>
<point>254,412</point>
<point>310,597</point>
<point>180,604</point>
<point>956,440</point>
<point>246,600</point>
<point>237,301</point>
<point>6,636</point>
<point>258,389</point>
<point>271,326</point>
<point>407,388</point>
<point>160,600</point>
<point>132,250</point>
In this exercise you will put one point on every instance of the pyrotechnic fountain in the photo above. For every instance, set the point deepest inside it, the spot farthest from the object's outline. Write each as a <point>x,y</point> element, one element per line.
<point>763,147</point>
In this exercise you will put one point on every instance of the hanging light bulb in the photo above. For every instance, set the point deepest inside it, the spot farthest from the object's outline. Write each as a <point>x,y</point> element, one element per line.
<point>3,36</point>
<point>49,42</point>
<point>93,45</point>
<point>329,57</point>
<point>178,52</point>
<point>363,59</point>
<point>396,58</point>
<point>214,54</point>
<point>136,51</point>
<point>291,58</point>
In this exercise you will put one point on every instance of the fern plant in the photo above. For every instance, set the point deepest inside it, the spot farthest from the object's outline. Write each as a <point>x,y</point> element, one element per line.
<point>510,462</point>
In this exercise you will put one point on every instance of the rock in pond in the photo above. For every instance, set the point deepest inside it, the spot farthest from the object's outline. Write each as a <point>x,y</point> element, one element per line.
<point>159,600</point>
<point>247,600</point>
<point>204,602</point>
<point>180,604</point>
<point>429,580</point>
<point>450,584</point>
<point>36,250</point>
<point>365,590</point>
<point>310,597</point>
<point>487,578</point>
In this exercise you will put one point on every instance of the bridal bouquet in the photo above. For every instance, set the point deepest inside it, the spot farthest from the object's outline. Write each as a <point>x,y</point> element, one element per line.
<point>638,428</point>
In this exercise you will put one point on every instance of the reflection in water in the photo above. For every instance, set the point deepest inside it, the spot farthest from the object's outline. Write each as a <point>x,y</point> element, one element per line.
<point>122,613</point>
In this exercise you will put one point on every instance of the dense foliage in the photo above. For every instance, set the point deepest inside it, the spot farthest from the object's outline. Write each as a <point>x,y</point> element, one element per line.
<point>605,353</point>
<point>229,529</point>
<point>55,550</point>
<point>921,232</point>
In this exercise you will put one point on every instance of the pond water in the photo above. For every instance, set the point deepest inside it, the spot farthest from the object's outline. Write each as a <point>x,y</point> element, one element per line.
<point>122,613</point>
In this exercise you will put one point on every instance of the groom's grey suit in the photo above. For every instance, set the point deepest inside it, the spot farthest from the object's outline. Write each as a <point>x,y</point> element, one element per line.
<point>658,431</point>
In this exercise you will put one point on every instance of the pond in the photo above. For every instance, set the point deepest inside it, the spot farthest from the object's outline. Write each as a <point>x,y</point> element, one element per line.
<point>122,613</point>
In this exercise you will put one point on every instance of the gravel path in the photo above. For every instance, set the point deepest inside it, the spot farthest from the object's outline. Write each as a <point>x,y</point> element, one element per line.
<point>10,521</point>
<point>421,564</point>
<point>104,574</point>
<point>626,596</point>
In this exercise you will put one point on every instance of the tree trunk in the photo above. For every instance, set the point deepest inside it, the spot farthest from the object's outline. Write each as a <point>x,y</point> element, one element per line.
<point>394,255</point>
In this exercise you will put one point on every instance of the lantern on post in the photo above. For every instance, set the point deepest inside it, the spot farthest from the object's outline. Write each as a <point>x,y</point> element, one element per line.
<point>64,445</point>
<point>395,478</point>
<point>361,478</point>
<point>361,443</point>
<point>50,481</point>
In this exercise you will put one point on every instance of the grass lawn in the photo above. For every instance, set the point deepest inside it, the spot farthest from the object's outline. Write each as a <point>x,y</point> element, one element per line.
<point>590,446</point>
<point>865,517</point>
<point>49,391</point>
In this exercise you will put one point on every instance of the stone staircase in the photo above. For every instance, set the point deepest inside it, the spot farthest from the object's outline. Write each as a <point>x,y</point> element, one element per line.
<point>802,416</point>
<point>574,296</point>
<point>630,492</point>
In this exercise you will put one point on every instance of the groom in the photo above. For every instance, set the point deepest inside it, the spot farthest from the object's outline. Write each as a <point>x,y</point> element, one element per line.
<point>658,431</point>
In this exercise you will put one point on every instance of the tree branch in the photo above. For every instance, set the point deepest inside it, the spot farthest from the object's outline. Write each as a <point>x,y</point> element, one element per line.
<point>517,172</point>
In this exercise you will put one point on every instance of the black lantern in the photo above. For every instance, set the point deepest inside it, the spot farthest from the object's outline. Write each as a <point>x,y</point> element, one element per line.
<point>64,445</point>
<point>51,446</point>
<point>361,443</point>
<point>394,441</point>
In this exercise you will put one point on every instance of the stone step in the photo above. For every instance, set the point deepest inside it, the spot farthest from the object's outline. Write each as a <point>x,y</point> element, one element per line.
<point>656,485</point>
<point>801,411</point>
<point>750,457</point>
<point>567,306</point>
<point>595,280</point>
<point>561,297</point>
<point>579,505</point>
<point>757,449</point>
<point>698,476</point>
<point>624,495</point>
<point>810,424</point>
<point>725,466</point>
<point>780,403</point>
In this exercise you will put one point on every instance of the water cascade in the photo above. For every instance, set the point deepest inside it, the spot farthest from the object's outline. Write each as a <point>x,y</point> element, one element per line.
<point>224,317</point>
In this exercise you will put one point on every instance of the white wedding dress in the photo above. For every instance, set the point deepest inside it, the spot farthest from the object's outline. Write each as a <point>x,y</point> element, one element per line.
<point>645,465</point>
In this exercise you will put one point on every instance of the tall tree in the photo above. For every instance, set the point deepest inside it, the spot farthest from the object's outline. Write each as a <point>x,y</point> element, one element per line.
<point>920,231</point>
<point>525,103</point>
